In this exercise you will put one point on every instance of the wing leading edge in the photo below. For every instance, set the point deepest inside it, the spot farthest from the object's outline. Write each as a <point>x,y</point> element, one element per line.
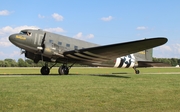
<point>108,52</point>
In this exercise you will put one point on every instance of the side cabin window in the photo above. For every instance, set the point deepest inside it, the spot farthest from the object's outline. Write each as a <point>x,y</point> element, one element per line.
<point>67,45</point>
<point>75,47</point>
<point>59,43</point>
<point>50,41</point>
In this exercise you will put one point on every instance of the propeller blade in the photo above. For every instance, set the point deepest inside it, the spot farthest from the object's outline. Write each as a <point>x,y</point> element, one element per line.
<point>22,52</point>
<point>42,43</point>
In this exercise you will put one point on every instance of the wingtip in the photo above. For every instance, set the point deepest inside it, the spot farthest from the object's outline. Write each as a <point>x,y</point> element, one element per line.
<point>164,39</point>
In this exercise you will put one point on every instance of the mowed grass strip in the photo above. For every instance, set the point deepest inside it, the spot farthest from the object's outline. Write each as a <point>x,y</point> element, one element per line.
<point>85,70</point>
<point>91,89</point>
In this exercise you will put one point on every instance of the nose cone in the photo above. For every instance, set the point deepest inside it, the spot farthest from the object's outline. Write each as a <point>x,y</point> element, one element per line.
<point>11,38</point>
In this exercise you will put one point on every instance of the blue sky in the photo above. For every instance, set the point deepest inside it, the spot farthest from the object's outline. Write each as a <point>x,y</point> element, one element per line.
<point>98,21</point>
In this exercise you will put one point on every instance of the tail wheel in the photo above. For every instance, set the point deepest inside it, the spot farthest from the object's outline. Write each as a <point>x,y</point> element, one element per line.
<point>63,70</point>
<point>137,71</point>
<point>45,70</point>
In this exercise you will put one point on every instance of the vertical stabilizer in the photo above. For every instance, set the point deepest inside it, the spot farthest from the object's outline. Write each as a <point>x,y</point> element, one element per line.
<point>145,55</point>
<point>148,54</point>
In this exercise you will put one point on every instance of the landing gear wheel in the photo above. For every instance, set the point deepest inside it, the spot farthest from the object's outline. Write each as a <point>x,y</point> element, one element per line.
<point>45,70</point>
<point>137,71</point>
<point>63,70</point>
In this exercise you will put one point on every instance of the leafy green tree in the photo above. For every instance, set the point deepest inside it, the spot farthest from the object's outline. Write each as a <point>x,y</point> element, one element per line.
<point>29,63</point>
<point>178,61</point>
<point>7,64</point>
<point>1,63</point>
<point>11,62</point>
<point>174,62</point>
<point>21,63</point>
<point>171,61</point>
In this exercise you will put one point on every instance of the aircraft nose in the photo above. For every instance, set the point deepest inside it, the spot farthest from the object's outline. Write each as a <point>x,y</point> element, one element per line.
<point>11,38</point>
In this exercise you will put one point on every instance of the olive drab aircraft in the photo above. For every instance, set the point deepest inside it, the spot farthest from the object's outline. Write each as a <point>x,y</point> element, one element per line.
<point>50,47</point>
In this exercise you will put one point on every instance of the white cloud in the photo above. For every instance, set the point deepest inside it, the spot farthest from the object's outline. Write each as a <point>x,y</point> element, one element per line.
<point>4,42</point>
<point>176,48</point>
<point>165,48</point>
<point>90,36</point>
<point>109,18</point>
<point>141,28</point>
<point>57,17</point>
<point>8,30</point>
<point>82,37</point>
<point>2,54</point>
<point>4,13</point>
<point>167,51</point>
<point>58,29</point>
<point>41,16</point>
<point>13,55</point>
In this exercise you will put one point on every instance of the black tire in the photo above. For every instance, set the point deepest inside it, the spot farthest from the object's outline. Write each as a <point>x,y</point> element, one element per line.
<point>45,70</point>
<point>137,71</point>
<point>63,70</point>
<point>66,70</point>
<point>60,70</point>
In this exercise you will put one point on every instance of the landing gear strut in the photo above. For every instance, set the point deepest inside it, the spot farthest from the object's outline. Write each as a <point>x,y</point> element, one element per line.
<point>136,71</point>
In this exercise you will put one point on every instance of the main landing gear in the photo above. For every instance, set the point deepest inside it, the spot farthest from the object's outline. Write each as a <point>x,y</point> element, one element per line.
<point>136,71</point>
<point>45,70</point>
<point>63,70</point>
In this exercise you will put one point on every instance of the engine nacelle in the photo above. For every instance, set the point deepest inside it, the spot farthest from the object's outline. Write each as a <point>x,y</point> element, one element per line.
<point>125,61</point>
<point>53,51</point>
<point>48,50</point>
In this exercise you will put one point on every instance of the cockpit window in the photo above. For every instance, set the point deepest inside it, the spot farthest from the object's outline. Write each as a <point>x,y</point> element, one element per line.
<point>25,33</point>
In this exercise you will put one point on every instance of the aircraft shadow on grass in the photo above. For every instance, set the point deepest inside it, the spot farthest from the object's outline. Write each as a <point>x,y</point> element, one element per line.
<point>113,75</point>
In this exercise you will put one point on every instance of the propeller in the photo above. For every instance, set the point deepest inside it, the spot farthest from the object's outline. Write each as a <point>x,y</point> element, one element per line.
<point>42,46</point>
<point>22,52</point>
<point>42,43</point>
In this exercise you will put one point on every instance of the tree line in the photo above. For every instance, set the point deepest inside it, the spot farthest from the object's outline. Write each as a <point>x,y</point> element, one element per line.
<point>27,63</point>
<point>30,63</point>
<point>170,61</point>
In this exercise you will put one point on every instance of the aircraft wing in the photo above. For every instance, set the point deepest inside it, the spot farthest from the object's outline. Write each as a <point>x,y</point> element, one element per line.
<point>112,51</point>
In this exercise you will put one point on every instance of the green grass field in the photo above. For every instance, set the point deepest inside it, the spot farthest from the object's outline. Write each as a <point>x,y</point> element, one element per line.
<point>90,90</point>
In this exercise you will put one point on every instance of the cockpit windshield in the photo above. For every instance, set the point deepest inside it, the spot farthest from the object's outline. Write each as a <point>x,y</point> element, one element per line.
<point>25,33</point>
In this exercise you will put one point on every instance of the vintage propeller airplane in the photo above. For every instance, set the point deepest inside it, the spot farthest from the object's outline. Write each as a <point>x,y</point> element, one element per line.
<point>49,47</point>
